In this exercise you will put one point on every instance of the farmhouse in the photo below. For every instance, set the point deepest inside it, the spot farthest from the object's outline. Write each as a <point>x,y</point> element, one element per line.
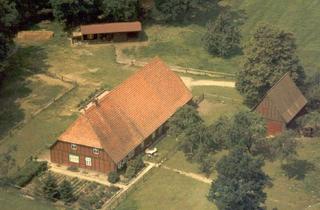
<point>120,31</point>
<point>282,103</point>
<point>123,122</point>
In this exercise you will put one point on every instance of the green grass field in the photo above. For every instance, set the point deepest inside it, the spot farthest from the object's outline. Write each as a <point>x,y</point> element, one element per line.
<point>165,189</point>
<point>29,89</point>
<point>181,44</point>
<point>12,200</point>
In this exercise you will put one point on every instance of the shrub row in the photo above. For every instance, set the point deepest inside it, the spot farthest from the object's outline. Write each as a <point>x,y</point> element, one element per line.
<point>24,175</point>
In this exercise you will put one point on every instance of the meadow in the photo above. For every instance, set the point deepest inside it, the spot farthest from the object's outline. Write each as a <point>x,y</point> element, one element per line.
<point>181,43</point>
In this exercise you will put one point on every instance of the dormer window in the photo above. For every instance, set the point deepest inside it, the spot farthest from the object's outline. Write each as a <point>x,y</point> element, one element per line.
<point>95,151</point>
<point>73,146</point>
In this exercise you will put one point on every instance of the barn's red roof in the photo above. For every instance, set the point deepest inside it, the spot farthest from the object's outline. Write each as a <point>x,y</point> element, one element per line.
<point>105,28</point>
<point>122,119</point>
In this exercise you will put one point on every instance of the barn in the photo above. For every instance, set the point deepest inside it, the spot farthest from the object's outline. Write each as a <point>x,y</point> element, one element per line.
<point>121,123</point>
<point>119,31</point>
<point>282,103</point>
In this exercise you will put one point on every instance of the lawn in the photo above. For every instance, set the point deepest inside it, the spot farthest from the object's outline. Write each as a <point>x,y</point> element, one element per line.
<point>180,44</point>
<point>164,189</point>
<point>13,200</point>
<point>29,88</point>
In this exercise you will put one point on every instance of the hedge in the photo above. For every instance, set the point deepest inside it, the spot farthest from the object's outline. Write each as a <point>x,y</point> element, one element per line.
<point>33,168</point>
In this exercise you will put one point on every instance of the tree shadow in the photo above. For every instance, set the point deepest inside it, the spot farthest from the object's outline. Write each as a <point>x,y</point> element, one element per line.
<point>15,85</point>
<point>297,169</point>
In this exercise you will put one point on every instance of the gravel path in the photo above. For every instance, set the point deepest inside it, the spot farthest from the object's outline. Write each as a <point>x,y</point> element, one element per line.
<point>189,82</point>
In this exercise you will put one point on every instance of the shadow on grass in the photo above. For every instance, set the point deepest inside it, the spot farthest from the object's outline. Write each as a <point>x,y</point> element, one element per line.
<point>297,169</point>
<point>14,86</point>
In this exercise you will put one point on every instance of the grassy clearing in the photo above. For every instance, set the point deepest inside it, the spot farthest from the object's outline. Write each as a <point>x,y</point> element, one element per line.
<point>181,44</point>
<point>11,199</point>
<point>300,192</point>
<point>91,66</point>
<point>165,189</point>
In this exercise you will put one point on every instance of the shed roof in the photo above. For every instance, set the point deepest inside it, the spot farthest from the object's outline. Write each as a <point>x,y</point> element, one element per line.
<point>111,28</point>
<point>286,97</point>
<point>122,119</point>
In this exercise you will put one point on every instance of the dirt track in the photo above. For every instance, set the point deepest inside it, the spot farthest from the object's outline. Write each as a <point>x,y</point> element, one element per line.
<point>189,82</point>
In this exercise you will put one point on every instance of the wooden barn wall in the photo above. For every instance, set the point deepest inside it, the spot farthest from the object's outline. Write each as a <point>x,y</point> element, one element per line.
<point>59,153</point>
<point>275,127</point>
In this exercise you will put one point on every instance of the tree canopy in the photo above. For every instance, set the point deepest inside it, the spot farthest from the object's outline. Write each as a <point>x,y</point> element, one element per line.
<point>223,35</point>
<point>240,182</point>
<point>174,9</point>
<point>184,118</point>
<point>270,54</point>
<point>8,19</point>
<point>120,10</point>
<point>75,12</point>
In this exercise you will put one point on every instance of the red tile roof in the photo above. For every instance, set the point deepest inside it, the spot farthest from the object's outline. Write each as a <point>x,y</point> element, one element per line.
<point>111,28</point>
<point>122,119</point>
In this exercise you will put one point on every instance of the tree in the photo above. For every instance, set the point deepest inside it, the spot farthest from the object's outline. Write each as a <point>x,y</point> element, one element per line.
<point>174,9</point>
<point>134,166</point>
<point>75,12</point>
<point>50,188</point>
<point>8,19</point>
<point>113,177</point>
<point>7,162</point>
<point>312,90</point>
<point>220,130</point>
<point>240,182</point>
<point>285,146</point>
<point>120,10</point>
<point>223,35</point>
<point>29,10</point>
<point>66,191</point>
<point>247,130</point>
<point>184,118</point>
<point>270,54</point>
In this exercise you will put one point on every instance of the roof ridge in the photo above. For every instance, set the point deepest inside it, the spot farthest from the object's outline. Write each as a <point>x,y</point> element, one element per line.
<point>111,23</point>
<point>138,72</point>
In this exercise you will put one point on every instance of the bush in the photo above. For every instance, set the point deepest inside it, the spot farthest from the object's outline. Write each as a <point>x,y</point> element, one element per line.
<point>113,177</point>
<point>66,192</point>
<point>73,168</point>
<point>50,188</point>
<point>134,166</point>
<point>30,170</point>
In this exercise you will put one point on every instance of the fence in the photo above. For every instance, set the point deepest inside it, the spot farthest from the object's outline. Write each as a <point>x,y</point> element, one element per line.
<point>119,197</point>
<point>41,109</point>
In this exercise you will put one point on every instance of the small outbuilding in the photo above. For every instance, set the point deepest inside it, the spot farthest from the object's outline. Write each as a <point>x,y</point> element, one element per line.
<point>282,103</point>
<point>120,31</point>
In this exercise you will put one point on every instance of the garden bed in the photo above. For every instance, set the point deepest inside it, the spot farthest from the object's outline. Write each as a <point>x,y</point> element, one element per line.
<point>88,195</point>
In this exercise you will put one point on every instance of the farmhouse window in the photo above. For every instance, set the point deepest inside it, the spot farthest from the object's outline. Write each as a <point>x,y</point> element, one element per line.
<point>73,146</point>
<point>88,161</point>
<point>73,158</point>
<point>95,151</point>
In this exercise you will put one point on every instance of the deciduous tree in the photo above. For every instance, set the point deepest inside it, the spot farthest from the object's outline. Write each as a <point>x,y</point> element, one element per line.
<point>8,19</point>
<point>50,188</point>
<point>223,35</point>
<point>66,191</point>
<point>120,10</point>
<point>174,9</point>
<point>240,182</point>
<point>270,54</point>
<point>184,118</point>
